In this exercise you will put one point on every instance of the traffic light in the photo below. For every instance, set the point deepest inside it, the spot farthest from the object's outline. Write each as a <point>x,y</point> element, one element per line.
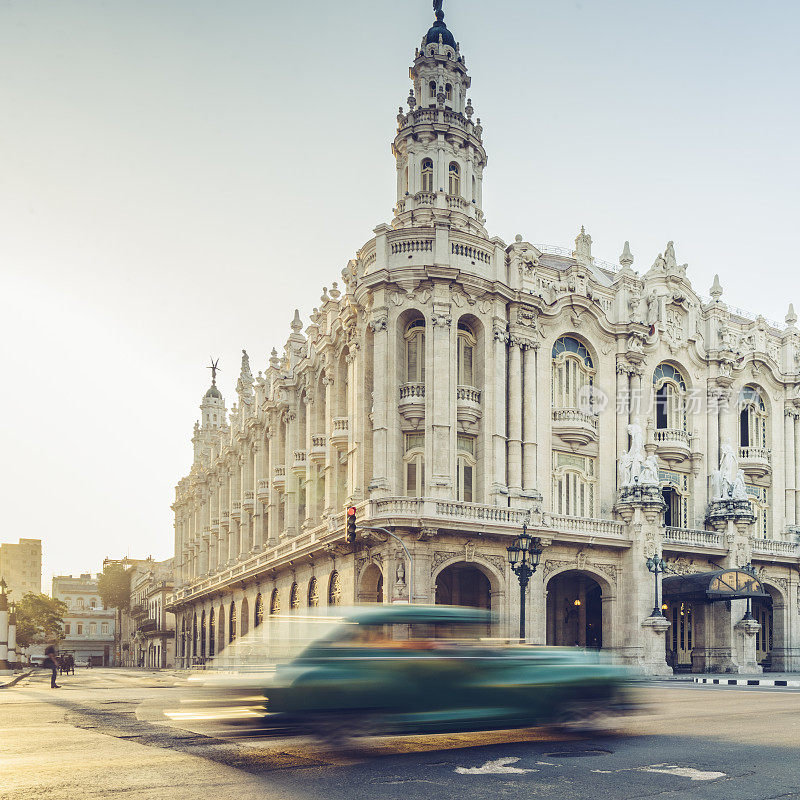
<point>350,535</point>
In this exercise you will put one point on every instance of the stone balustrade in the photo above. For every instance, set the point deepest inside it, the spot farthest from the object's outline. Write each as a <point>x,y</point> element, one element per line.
<point>587,525</point>
<point>774,547</point>
<point>663,435</point>
<point>695,537</point>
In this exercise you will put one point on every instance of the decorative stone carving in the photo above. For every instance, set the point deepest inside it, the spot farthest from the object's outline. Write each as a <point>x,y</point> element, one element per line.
<point>441,319</point>
<point>379,323</point>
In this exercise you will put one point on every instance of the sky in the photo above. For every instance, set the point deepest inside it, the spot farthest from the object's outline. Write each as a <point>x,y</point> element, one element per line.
<point>177,176</point>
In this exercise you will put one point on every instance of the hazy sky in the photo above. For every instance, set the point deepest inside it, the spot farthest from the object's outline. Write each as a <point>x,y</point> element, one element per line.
<point>178,176</point>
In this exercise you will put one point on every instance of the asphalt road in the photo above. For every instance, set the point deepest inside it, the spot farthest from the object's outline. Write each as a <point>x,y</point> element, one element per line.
<point>104,735</point>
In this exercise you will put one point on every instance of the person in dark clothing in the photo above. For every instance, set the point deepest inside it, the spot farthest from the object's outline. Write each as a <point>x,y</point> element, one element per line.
<point>51,661</point>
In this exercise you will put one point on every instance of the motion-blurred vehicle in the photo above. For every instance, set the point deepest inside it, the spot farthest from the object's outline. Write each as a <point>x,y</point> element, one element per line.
<point>412,669</point>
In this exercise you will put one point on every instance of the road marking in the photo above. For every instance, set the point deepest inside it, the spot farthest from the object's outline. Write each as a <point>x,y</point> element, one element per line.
<point>668,769</point>
<point>498,767</point>
<point>684,772</point>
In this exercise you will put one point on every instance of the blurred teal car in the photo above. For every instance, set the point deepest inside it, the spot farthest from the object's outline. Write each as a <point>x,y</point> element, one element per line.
<point>412,669</point>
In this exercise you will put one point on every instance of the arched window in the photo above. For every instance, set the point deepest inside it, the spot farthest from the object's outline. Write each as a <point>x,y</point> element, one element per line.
<point>79,602</point>
<point>466,355</point>
<point>427,175</point>
<point>313,593</point>
<point>232,622</point>
<point>574,485</point>
<point>258,613</point>
<point>245,618</point>
<point>212,633</point>
<point>294,597</point>
<point>675,491</point>
<point>203,635</point>
<point>465,467</point>
<point>194,634</point>
<point>474,190</point>
<point>221,633</point>
<point>334,590</point>
<point>415,351</point>
<point>573,374</point>
<point>275,602</point>
<point>432,90</point>
<point>454,177</point>
<point>414,461</point>
<point>670,398</point>
<point>448,92</point>
<point>752,419</point>
<point>183,637</point>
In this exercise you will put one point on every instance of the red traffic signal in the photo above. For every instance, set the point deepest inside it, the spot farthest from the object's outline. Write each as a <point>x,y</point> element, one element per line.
<point>350,533</point>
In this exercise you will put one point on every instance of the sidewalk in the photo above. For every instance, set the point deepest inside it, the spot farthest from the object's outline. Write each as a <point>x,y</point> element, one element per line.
<point>9,680</point>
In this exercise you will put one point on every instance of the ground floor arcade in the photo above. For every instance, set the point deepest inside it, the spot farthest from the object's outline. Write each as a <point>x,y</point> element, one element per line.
<point>581,596</point>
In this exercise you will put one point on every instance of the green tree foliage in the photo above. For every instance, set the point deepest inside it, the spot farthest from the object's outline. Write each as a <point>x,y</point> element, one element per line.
<point>114,586</point>
<point>39,619</point>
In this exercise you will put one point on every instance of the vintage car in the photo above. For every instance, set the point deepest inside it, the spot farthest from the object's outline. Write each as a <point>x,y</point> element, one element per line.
<point>410,669</point>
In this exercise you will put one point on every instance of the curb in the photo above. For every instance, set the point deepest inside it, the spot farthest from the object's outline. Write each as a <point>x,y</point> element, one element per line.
<point>747,682</point>
<point>16,680</point>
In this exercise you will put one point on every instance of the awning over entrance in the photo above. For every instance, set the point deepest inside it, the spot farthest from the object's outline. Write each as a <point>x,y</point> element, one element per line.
<point>722,584</point>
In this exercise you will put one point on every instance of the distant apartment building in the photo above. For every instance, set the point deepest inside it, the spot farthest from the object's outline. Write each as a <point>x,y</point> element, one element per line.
<point>21,567</point>
<point>88,627</point>
<point>148,630</point>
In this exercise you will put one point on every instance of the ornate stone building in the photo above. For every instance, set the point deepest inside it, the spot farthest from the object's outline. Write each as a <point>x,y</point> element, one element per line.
<point>455,386</point>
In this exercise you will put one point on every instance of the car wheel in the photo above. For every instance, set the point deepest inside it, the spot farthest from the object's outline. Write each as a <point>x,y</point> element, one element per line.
<point>585,718</point>
<point>338,731</point>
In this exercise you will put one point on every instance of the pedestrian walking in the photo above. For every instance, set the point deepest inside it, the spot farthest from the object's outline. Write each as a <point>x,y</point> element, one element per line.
<point>51,661</point>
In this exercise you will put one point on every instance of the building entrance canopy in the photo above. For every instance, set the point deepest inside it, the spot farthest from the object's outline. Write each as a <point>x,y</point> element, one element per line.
<point>723,584</point>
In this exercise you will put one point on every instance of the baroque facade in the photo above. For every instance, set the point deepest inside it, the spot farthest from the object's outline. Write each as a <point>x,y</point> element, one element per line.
<point>454,387</point>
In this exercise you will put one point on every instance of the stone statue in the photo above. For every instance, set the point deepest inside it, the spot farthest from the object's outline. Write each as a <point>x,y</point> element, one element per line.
<point>739,489</point>
<point>649,475</point>
<point>652,308</point>
<point>669,257</point>
<point>631,463</point>
<point>722,479</point>
<point>401,573</point>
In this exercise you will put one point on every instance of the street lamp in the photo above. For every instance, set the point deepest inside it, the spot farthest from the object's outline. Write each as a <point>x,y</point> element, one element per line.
<point>750,570</point>
<point>524,556</point>
<point>656,565</point>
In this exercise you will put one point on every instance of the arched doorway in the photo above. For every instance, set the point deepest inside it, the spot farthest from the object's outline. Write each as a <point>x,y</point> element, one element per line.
<point>371,590</point>
<point>574,610</point>
<point>463,584</point>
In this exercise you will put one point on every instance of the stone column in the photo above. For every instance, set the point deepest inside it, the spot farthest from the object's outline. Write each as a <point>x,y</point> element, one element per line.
<point>797,468</point>
<point>439,372</point>
<point>790,466</point>
<point>246,486</point>
<point>623,405</point>
<point>498,420</point>
<point>712,443</point>
<point>13,658</point>
<point>726,420</point>
<point>637,407</point>
<point>514,419</point>
<point>290,492</point>
<point>379,486</point>
<point>331,453</point>
<point>272,506</point>
<point>529,420</point>
<point>353,377</point>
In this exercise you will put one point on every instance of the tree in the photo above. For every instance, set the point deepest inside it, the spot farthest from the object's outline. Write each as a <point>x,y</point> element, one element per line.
<point>114,587</point>
<point>39,619</point>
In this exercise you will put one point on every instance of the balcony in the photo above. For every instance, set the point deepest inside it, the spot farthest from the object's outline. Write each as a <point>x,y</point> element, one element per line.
<point>299,462</point>
<point>672,444</point>
<point>755,461</point>
<point>692,538</point>
<point>263,490</point>
<point>319,448</point>
<point>249,501</point>
<point>137,610</point>
<point>215,524</point>
<point>340,434</point>
<point>236,509</point>
<point>774,547</point>
<point>279,479</point>
<point>412,402</point>
<point>225,520</point>
<point>148,625</point>
<point>468,404</point>
<point>574,426</point>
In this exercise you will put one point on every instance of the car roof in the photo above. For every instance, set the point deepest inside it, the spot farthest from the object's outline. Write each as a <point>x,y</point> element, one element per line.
<point>403,614</point>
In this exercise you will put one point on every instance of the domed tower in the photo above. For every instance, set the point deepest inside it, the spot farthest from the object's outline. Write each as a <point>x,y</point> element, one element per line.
<point>213,405</point>
<point>438,147</point>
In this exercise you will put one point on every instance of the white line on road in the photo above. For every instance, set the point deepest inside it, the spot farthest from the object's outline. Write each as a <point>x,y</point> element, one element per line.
<point>498,767</point>
<point>668,769</point>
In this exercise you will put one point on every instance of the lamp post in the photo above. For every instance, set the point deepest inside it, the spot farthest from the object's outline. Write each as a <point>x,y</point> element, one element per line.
<point>524,556</point>
<point>750,570</point>
<point>656,565</point>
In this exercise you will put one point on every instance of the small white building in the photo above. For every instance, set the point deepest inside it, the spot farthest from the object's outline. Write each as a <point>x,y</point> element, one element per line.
<point>88,627</point>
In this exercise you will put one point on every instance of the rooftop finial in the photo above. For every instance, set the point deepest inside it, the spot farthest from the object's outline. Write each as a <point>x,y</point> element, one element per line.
<point>716,289</point>
<point>626,259</point>
<point>214,369</point>
<point>437,9</point>
<point>791,317</point>
<point>296,325</point>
